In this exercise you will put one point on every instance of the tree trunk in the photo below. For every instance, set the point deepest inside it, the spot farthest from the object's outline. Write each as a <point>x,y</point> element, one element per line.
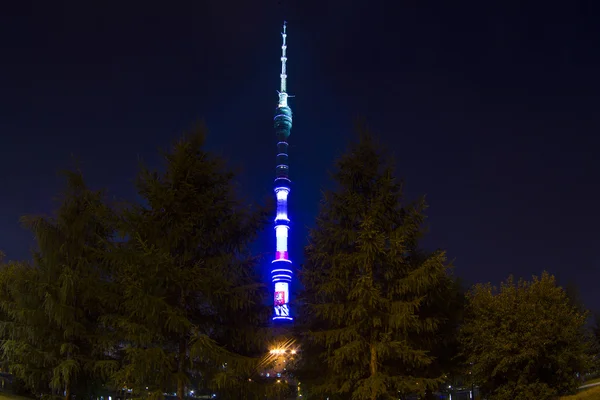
<point>68,391</point>
<point>373,368</point>
<point>181,369</point>
<point>429,395</point>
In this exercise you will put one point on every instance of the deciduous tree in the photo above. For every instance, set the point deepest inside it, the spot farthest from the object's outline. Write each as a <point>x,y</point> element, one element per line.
<point>525,340</point>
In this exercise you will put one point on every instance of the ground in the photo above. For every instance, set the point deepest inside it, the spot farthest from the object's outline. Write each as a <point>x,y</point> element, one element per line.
<point>9,396</point>
<point>592,393</point>
<point>589,382</point>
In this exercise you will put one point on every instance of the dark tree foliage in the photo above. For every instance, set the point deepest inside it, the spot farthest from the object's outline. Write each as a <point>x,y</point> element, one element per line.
<point>52,336</point>
<point>574,296</point>
<point>193,314</point>
<point>445,303</point>
<point>596,328</point>
<point>27,344</point>
<point>525,340</point>
<point>369,303</point>
<point>594,334</point>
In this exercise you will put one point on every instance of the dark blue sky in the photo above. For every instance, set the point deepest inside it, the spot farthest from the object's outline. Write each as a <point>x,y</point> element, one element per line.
<point>491,109</point>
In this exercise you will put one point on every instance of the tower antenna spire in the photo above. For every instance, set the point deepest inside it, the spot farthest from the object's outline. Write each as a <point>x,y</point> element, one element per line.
<point>283,87</point>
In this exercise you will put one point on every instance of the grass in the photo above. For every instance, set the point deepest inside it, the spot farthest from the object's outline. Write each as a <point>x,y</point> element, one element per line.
<point>9,396</point>
<point>595,380</point>
<point>592,393</point>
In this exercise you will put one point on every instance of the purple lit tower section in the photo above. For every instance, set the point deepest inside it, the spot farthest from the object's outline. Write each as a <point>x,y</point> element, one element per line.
<point>281,272</point>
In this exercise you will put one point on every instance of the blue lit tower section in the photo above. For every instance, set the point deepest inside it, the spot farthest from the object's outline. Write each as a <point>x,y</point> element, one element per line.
<point>281,273</point>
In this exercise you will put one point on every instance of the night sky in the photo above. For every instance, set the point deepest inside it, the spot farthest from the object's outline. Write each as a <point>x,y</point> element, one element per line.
<point>491,109</point>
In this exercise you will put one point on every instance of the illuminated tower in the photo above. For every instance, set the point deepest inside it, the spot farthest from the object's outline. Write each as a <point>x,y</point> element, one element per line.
<point>281,272</point>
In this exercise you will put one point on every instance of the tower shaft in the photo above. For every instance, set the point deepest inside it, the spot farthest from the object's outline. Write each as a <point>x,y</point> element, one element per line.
<point>281,272</point>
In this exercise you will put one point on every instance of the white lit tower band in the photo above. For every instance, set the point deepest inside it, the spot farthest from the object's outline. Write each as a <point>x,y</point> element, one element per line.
<point>281,272</point>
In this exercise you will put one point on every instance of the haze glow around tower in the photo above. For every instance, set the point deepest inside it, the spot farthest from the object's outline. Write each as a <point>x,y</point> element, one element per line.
<point>281,272</point>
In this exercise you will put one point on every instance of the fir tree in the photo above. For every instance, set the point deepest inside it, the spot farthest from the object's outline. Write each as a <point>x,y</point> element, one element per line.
<point>52,336</point>
<point>366,283</point>
<point>192,315</point>
<point>28,336</point>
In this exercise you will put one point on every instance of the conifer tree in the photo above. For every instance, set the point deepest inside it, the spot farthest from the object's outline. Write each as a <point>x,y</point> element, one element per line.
<point>52,336</point>
<point>365,282</point>
<point>28,336</point>
<point>192,315</point>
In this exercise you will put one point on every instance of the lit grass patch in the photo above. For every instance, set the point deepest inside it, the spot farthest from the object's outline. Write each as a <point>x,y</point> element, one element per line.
<point>595,380</point>
<point>592,393</point>
<point>9,396</point>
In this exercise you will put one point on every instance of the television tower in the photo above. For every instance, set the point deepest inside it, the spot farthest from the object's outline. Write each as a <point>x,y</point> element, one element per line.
<point>281,272</point>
